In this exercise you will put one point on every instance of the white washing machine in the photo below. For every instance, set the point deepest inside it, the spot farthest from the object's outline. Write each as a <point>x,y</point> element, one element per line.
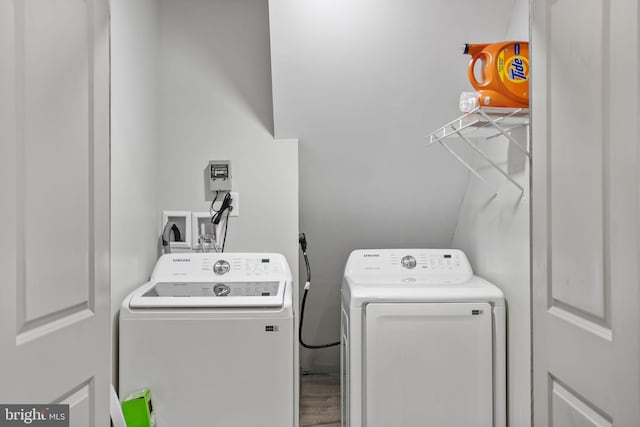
<point>213,336</point>
<point>423,341</point>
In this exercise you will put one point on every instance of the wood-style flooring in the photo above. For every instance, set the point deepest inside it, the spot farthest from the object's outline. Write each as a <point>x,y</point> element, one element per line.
<point>320,401</point>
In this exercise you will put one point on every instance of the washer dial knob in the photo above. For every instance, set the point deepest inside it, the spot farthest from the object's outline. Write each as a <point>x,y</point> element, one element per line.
<point>221,267</point>
<point>221,290</point>
<point>408,262</point>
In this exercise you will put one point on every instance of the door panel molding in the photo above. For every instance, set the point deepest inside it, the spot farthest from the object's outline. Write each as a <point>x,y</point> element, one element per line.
<point>56,322</point>
<point>572,408</point>
<point>581,322</point>
<point>35,305</point>
<point>81,401</point>
<point>578,167</point>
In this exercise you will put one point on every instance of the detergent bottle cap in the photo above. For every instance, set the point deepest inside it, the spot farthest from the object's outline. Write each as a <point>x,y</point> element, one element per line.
<point>468,101</point>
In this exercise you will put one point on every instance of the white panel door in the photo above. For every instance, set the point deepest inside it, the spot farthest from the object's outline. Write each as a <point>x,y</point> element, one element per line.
<point>428,364</point>
<point>54,206</point>
<point>585,215</point>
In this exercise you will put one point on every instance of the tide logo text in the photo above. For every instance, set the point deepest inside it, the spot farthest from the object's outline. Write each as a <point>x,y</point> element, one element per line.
<point>517,69</point>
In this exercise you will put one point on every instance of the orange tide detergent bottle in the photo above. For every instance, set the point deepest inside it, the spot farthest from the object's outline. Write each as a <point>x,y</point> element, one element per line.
<point>504,80</point>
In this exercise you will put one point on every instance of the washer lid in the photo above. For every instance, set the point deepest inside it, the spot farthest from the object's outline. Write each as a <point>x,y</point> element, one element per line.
<point>209,294</point>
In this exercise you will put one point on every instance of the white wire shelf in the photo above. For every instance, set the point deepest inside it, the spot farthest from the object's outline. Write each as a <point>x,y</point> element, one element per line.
<point>486,123</point>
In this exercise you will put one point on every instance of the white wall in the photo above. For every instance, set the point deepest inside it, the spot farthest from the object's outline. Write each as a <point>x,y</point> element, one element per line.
<point>215,103</point>
<point>361,82</point>
<point>135,217</point>
<point>494,233</point>
<point>519,22</point>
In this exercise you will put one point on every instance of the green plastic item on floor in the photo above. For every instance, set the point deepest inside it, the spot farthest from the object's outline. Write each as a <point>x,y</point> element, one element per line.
<point>138,409</point>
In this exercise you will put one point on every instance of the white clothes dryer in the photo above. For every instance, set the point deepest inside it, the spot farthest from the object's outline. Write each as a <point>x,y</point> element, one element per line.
<point>423,341</point>
<point>213,336</point>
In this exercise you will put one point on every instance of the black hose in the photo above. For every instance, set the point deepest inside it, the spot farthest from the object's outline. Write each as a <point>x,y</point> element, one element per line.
<point>216,215</point>
<point>166,236</point>
<point>302,239</point>
<point>225,206</point>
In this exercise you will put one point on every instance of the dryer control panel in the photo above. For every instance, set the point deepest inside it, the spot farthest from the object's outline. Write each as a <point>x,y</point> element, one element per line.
<point>421,264</point>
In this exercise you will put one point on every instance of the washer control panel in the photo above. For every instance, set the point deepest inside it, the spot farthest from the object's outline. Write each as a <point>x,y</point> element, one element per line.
<point>223,267</point>
<point>251,266</point>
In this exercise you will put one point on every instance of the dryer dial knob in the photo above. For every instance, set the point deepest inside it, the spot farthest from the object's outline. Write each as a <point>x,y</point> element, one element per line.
<point>408,262</point>
<point>221,267</point>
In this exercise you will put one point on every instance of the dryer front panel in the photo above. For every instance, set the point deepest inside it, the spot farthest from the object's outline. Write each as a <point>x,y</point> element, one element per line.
<point>428,364</point>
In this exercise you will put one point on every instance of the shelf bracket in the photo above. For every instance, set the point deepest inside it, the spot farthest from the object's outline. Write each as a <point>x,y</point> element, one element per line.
<point>502,120</point>
<point>491,162</point>
<point>502,131</point>
<point>468,166</point>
